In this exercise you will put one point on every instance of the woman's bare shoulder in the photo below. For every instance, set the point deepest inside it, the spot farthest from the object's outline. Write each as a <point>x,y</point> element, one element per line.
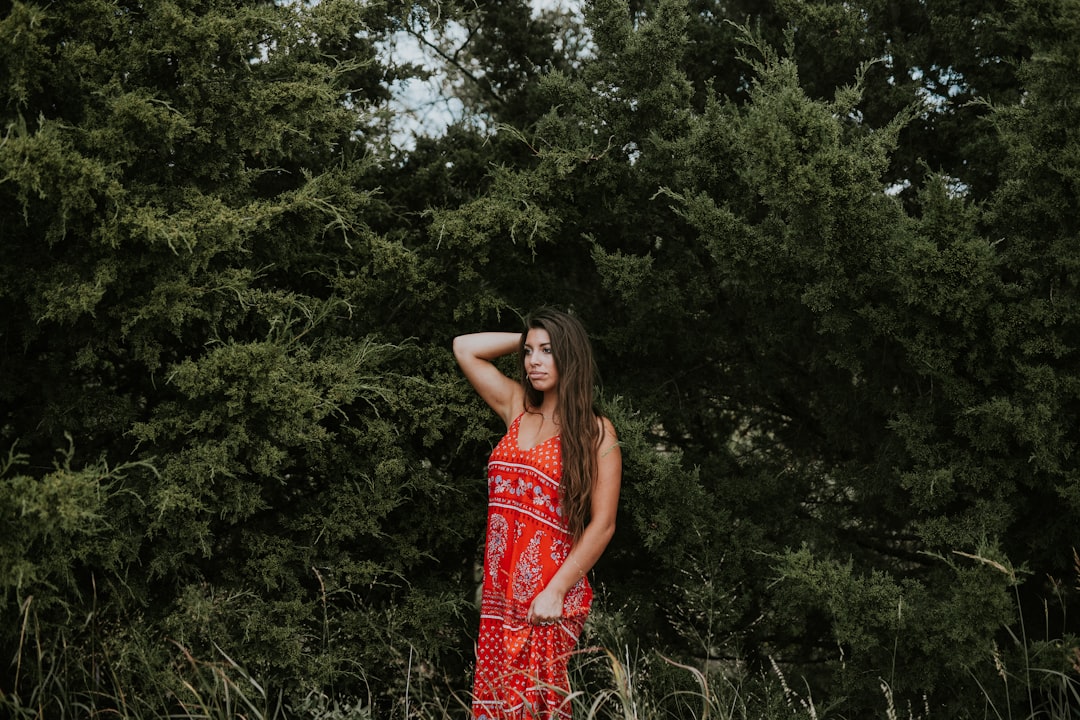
<point>606,428</point>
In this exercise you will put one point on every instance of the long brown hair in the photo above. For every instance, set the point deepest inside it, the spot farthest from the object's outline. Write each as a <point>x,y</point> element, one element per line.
<point>580,434</point>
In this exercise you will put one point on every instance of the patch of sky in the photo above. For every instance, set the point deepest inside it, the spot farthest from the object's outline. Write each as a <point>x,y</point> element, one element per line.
<point>937,85</point>
<point>897,187</point>
<point>426,103</point>
<point>422,103</point>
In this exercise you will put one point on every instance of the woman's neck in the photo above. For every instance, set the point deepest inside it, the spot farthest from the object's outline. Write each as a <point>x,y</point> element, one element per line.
<point>549,409</point>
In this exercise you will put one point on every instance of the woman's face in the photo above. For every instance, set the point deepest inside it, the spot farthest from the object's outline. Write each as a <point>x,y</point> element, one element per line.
<point>539,362</point>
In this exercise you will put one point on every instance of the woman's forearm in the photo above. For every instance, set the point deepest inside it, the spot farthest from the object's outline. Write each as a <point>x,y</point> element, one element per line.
<point>585,553</point>
<point>486,345</point>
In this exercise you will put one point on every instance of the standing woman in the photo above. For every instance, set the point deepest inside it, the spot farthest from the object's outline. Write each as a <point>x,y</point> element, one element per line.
<point>553,489</point>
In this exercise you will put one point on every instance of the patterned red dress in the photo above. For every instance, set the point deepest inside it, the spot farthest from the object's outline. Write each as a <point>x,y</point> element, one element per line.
<point>521,669</point>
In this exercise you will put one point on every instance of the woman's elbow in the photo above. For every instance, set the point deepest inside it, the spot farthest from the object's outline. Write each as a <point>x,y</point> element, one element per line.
<point>605,530</point>
<point>460,348</point>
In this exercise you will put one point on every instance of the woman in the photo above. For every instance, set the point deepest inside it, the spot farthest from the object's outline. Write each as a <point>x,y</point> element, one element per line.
<point>553,489</point>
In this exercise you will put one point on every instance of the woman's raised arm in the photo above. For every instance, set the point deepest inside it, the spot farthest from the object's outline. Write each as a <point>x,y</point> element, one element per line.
<point>475,356</point>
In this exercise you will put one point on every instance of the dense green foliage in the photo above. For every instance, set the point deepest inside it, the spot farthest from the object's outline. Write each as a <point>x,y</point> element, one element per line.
<point>191,282</point>
<point>829,253</point>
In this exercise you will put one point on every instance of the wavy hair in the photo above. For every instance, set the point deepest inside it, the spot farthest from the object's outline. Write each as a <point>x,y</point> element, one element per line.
<point>577,412</point>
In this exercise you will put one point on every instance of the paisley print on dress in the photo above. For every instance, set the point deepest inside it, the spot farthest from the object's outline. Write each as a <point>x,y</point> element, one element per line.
<point>496,547</point>
<point>576,601</point>
<point>527,574</point>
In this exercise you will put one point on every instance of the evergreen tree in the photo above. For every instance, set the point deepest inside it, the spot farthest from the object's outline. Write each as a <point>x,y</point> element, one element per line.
<point>863,420</point>
<point>194,293</point>
<point>827,252</point>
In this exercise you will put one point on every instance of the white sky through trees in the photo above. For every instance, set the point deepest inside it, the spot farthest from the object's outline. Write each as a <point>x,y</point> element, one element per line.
<point>426,107</point>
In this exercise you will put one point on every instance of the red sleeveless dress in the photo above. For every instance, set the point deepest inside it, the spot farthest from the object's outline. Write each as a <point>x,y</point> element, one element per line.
<point>521,669</point>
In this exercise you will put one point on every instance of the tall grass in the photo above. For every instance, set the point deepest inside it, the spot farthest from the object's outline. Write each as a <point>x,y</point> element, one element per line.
<point>56,678</point>
<point>59,680</point>
<point>1048,675</point>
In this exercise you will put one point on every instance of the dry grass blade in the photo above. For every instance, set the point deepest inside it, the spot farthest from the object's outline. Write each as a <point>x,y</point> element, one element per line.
<point>987,561</point>
<point>702,682</point>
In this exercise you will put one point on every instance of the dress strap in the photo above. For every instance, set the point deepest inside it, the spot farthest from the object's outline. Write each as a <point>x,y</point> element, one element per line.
<point>514,425</point>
